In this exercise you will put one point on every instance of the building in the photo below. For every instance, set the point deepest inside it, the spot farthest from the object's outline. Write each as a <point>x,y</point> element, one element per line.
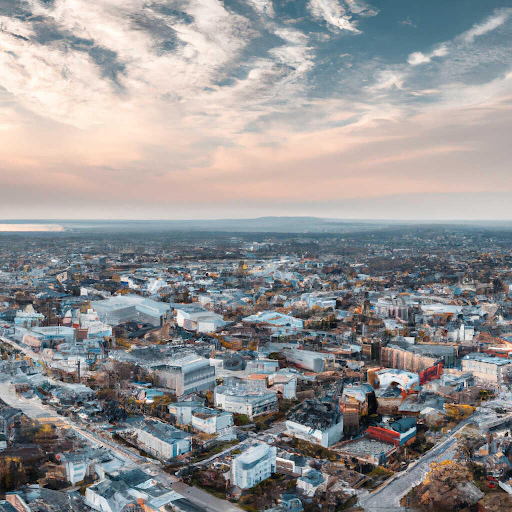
<point>203,419</point>
<point>309,360</point>
<point>401,432</point>
<point>243,400</point>
<point>416,361</point>
<point>275,322</point>
<point>163,440</point>
<point>382,378</point>
<point>486,369</point>
<point>124,308</point>
<point>317,421</point>
<point>28,318</point>
<point>182,411</point>
<point>193,317</point>
<point>185,374</point>
<point>8,419</point>
<point>213,422</point>
<point>253,466</point>
<point>310,482</point>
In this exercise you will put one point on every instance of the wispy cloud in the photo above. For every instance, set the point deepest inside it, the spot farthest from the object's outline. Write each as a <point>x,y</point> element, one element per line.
<point>491,23</point>
<point>422,58</point>
<point>361,8</point>
<point>408,21</point>
<point>195,99</point>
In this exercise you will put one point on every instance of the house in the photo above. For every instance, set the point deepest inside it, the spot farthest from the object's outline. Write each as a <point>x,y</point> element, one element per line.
<point>8,418</point>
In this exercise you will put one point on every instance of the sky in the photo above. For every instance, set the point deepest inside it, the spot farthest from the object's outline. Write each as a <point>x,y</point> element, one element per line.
<point>190,109</point>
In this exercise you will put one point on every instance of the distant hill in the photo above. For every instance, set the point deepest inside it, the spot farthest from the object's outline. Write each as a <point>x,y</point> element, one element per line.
<point>256,225</point>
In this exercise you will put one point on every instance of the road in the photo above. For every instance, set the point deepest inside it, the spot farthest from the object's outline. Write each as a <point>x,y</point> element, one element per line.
<point>25,350</point>
<point>33,408</point>
<point>207,501</point>
<point>221,454</point>
<point>387,498</point>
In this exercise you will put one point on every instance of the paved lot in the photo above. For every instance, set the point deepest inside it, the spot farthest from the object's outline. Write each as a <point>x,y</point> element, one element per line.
<point>204,499</point>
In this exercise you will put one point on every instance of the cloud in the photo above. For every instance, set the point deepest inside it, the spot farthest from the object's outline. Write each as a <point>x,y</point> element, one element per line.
<point>408,21</point>
<point>361,8</point>
<point>334,14</point>
<point>205,104</point>
<point>388,79</point>
<point>265,7</point>
<point>417,58</point>
<point>491,23</point>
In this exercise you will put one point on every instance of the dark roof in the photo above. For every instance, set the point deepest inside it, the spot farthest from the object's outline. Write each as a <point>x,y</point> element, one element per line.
<point>133,477</point>
<point>5,506</point>
<point>403,424</point>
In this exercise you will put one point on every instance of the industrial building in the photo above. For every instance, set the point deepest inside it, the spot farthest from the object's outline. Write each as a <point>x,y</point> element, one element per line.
<point>253,466</point>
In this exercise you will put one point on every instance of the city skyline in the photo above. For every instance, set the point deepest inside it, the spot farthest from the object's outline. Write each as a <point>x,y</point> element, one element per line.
<point>246,108</point>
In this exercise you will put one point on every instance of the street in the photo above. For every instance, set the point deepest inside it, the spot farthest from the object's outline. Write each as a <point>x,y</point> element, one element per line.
<point>44,414</point>
<point>387,498</point>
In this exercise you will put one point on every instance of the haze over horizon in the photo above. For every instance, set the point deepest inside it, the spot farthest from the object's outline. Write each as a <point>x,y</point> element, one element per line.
<point>193,109</point>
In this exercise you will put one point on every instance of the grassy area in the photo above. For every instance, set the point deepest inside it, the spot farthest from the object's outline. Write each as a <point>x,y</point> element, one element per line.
<point>263,495</point>
<point>313,450</point>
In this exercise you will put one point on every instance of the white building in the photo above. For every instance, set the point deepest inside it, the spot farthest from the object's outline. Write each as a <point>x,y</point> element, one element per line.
<point>276,322</point>
<point>253,466</point>
<point>243,400</point>
<point>203,419</point>
<point>405,380</point>
<point>163,440</point>
<point>314,361</point>
<point>131,307</point>
<point>195,318</point>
